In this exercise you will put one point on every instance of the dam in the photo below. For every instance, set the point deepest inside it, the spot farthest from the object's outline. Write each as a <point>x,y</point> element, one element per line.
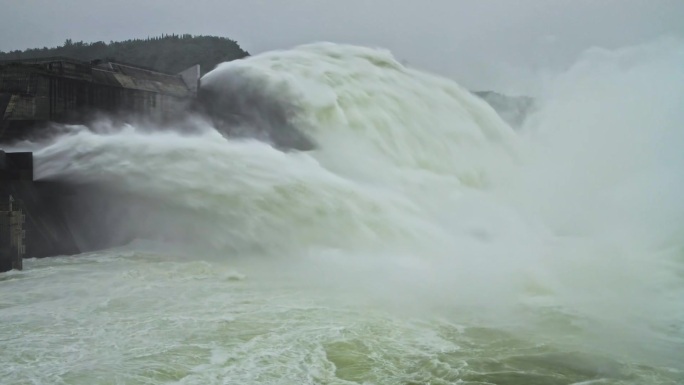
<point>50,217</point>
<point>36,93</point>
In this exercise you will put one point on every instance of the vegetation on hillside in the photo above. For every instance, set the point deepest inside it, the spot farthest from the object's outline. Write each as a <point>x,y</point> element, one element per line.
<point>167,53</point>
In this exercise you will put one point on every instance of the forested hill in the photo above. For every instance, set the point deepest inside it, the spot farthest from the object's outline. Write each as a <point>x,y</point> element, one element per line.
<point>167,53</point>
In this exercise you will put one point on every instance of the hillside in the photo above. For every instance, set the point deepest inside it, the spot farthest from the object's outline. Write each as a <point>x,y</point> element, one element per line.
<point>168,53</point>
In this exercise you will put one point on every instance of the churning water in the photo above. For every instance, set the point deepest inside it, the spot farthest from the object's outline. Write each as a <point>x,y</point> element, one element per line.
<point>423,241</point>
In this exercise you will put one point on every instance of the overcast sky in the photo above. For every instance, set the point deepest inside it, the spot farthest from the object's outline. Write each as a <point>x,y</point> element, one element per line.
<point>480,43</point>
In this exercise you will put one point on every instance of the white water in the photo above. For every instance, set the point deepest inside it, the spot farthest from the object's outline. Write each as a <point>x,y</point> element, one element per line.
<point>424,241</point>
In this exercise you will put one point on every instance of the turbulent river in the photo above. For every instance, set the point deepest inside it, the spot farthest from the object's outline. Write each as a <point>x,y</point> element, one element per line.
<point>423,240</point>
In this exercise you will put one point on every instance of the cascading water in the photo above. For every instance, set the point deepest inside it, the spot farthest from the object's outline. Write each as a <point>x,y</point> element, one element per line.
<point>422,241</point>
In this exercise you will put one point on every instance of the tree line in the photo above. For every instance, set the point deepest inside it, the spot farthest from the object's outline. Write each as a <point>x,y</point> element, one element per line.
<point>167,53</point>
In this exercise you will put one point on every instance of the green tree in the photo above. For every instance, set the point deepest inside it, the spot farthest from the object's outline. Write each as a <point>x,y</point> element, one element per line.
<point>167,53</point>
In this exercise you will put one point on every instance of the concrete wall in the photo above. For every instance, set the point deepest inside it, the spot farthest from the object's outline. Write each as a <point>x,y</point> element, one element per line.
<point>71,92</point>
<point>191,77</point>
<point>15,168</point>
<point>6,254</point>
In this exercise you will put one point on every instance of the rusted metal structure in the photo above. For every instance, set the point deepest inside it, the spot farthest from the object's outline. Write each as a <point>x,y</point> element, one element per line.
<point>63,90</point>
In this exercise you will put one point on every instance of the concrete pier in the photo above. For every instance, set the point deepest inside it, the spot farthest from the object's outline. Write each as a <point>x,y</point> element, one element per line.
<point>12,235</point>
<point>15,168</point>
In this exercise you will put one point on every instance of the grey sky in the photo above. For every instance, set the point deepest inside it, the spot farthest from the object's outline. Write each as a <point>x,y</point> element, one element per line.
<point>480,43</point>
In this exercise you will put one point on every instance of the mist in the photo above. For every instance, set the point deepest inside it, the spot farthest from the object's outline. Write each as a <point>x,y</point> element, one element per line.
<point>576,214</point>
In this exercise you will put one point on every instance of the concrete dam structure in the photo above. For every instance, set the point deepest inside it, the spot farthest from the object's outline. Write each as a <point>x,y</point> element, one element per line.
<point>55,217</point>
<point>39,218</point>
<point>61,90</point>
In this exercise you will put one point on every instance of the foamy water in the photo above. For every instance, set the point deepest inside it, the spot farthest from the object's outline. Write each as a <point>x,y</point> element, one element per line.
<point>423,241</point>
